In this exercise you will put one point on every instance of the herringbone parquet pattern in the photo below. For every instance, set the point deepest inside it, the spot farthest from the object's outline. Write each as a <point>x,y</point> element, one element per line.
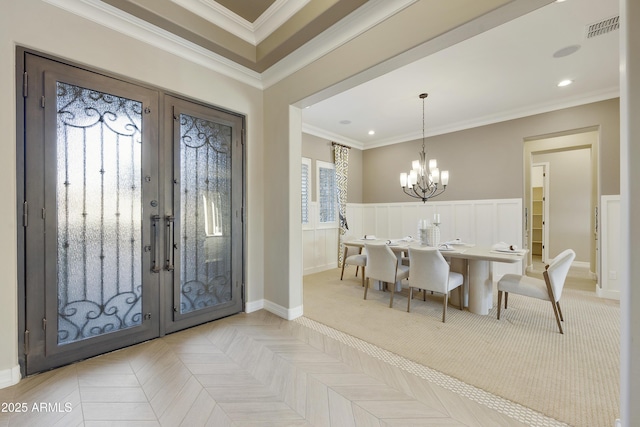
<point>246,370</point>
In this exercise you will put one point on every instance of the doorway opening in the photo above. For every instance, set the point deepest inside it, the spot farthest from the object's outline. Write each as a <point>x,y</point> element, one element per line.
<point>561,203</point>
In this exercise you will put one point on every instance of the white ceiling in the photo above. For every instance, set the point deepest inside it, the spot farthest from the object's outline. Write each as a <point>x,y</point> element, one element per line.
<point>505,73</point>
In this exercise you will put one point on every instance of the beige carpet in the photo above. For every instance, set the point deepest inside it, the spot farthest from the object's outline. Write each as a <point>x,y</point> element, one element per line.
<point>573,377</point>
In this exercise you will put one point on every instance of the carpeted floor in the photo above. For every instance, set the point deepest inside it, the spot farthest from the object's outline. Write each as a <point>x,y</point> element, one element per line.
<point>573,377</point>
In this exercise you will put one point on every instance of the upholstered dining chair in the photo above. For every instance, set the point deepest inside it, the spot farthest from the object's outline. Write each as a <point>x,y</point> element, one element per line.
<point>383,265</point>
<point>429,271</point>
<point>354,256</point>
<point>549,289</point>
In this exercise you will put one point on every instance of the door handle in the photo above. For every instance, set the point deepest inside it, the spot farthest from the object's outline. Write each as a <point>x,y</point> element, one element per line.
<point>169,255</point>
<point>155,267</point>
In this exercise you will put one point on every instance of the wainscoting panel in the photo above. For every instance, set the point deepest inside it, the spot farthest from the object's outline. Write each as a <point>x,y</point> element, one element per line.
<point>319,245</point>
<point>463,223</point>
<point>483,222</point>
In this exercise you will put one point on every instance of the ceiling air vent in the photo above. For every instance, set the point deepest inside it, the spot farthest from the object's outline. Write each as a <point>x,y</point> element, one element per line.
<point>603,27</point>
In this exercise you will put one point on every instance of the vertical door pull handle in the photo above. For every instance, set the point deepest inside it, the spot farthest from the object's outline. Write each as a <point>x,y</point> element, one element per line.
<point>169,255</point>
<point>155,266</point>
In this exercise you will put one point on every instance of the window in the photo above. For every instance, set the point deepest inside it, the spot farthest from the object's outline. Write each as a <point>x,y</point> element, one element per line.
<point>327,195</point>
<point>306,190</point>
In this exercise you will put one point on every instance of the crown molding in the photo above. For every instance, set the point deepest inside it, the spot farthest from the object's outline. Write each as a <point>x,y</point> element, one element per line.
<point>364,18</point>
<point>330,136</point>
<point>514,114</point>
<point>272,18</point>
<point>117,20</point>
<point>276,15</point>
<point>367,16</point>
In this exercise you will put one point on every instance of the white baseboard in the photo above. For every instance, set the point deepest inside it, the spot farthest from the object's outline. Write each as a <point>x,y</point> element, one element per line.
<point>608,294</point>
<point>251,306</point>
<point>9,377</point>
<point>278,310</point>
<point>318,269</point>
<point>285,313</point>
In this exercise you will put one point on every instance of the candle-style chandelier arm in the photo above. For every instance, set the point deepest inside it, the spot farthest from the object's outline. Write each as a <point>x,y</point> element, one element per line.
<point>424,194</point>
<point>422,182</point>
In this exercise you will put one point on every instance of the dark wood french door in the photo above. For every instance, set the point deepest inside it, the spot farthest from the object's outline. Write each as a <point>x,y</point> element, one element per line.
<point>132,213</point>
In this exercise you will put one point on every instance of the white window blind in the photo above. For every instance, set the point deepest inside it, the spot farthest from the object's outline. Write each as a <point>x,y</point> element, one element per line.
<point>327,194</point>
<point>306,189</point>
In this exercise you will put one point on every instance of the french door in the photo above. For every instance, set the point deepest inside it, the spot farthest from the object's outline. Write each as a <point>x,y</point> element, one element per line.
<point>132,213</point>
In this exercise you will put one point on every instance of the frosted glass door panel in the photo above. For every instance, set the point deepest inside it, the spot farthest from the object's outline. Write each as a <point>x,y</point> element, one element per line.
<point>205,218</point>
<point>98,212</point>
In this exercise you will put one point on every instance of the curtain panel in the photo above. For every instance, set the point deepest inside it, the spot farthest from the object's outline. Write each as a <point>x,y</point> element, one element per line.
<point>341,160</point>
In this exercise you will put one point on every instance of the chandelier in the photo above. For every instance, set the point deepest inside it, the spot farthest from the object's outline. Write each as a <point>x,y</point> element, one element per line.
<point>422,181</point>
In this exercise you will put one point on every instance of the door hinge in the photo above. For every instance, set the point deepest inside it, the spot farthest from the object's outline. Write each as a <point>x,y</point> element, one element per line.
<point>25,86</point>
<point>44,324</point>
<point>44,213</point>
<point>42,101</point>
<point>25,214</point>
<point>26,341</point>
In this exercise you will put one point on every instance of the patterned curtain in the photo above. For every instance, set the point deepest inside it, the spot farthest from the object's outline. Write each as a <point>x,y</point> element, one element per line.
<point>341,160</point>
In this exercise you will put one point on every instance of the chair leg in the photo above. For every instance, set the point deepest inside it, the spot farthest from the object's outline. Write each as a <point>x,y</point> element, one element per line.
<point>444,308</point>
<point>559,311</point>
<point>357,267</point>
<point>409,300</point>
<point>552,298</point>
<point>363,276</point>
<point>506,298</point>
<point>393,288</point>
<point>366,287</point>
<point>461,297</point>
<point>555,311</point>
<point>499,303</point>
<point>344,261</point>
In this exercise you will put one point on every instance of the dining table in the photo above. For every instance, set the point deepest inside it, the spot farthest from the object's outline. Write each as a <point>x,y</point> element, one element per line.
<point>475,263</point>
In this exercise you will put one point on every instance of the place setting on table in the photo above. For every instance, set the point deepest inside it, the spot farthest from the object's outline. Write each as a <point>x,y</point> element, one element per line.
<point>474,262</point>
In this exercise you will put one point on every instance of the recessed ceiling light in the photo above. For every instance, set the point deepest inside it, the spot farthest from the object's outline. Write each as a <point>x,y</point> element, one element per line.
<point>345,122</point>
<point>372,132</point>
<point>564,83</point>
<point>566,51</point>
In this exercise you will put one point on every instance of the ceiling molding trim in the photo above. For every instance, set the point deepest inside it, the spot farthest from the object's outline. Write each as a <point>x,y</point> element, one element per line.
<point>362,19</point>
<point>117,20</point>
<point>251,32</point>
<point>276,15</point>
<point>498,118</point>
<point>220,16</point>
<point>330,136</point>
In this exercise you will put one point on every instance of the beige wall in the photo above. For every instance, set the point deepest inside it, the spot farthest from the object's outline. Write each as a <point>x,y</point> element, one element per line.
<point>487,162</point>
<point>317,148</point>
<point>71,37</point>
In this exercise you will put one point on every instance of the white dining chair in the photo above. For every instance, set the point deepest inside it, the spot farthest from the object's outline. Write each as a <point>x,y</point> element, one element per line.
<point>383,265</point>
<point>549,289</point>
<point>429,271</point>
<point>354,256</point>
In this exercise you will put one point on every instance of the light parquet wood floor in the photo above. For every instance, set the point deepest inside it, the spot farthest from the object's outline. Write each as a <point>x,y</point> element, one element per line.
<point>246,370</point>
